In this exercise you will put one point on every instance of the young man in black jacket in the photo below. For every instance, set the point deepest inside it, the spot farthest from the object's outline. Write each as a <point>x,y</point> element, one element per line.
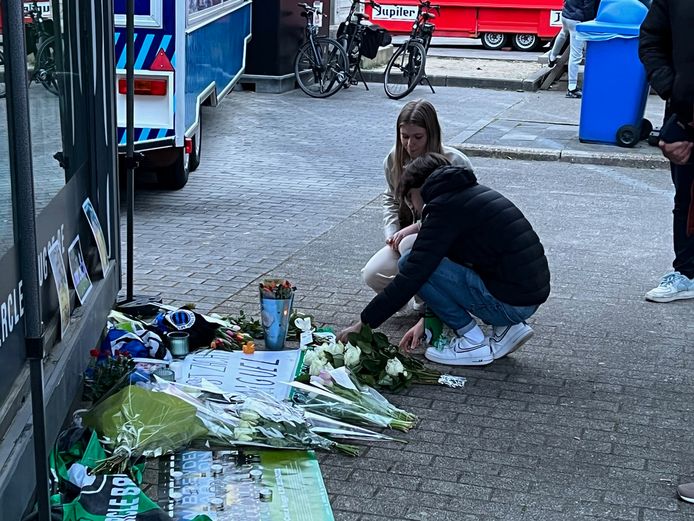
<point>666,49</point>
<point>475,255</point>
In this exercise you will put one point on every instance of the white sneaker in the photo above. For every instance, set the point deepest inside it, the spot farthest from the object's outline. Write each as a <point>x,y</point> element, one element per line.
<point>506,339</point>
<point>461,351</point>
<point>673,286</point>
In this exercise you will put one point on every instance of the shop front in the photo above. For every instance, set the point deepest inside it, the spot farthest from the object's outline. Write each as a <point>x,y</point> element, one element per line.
<point>57,151</point>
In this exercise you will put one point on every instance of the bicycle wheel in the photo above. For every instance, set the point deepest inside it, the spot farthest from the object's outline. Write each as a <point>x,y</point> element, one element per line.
<point>44,68</point>
<point>404,70</point>
<point>321,73</point>
<point>3,92</point>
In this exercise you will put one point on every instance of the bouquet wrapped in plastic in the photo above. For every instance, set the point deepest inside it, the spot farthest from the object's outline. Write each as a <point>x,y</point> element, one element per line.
<point>137,422</point>
<point>338,394</point>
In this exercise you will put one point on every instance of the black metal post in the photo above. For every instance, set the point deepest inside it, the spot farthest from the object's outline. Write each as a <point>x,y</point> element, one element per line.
<point>19,133</point>
<point>130,139</point>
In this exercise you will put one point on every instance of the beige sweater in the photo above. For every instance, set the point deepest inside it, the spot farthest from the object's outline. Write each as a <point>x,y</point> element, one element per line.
<point>391,222</point>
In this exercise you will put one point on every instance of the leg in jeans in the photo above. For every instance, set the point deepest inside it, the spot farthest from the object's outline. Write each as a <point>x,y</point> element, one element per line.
<point>683,219</point>
<point>576,52</point>
<point>455,292</point>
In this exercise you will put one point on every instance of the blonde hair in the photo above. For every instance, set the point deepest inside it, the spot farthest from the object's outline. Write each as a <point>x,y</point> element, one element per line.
<point>423,114</point>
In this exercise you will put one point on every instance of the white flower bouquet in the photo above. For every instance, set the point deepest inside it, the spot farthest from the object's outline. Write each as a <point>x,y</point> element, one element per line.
<point>338,394</point>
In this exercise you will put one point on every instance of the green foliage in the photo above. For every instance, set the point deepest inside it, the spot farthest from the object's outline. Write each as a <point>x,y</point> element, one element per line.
<point>104,377</point>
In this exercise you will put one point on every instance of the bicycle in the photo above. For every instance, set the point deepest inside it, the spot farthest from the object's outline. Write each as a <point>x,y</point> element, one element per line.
<point>353,37</point>
<point>405,69</point>
<point>41,42</point>
<point>321,64</point>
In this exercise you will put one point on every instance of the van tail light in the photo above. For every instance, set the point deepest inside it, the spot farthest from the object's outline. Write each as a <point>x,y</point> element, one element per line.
<point>188,145</point>
<point>145,87</point>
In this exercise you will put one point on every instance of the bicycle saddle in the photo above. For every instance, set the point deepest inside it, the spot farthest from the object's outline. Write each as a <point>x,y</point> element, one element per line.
<point>428,16</point>
<point>360,17</point>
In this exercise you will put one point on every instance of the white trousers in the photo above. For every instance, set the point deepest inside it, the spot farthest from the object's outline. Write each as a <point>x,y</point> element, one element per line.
<point>383,266</point>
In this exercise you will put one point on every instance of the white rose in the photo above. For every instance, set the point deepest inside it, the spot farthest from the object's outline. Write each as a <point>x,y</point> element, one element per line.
<point>335,349</point>
<point>352,355</point>
<point>317,365</point>
<point>242,431</point>
<point>394,367</point>
<point>310,356</point>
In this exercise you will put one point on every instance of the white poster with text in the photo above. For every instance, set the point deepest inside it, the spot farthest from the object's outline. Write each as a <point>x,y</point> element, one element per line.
<point>236,372</point>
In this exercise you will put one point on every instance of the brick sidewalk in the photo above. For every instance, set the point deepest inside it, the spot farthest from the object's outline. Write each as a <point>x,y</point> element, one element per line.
<point>592,419</point>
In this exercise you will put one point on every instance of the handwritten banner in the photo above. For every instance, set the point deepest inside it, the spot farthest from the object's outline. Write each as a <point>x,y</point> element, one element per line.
<point>235,372</point>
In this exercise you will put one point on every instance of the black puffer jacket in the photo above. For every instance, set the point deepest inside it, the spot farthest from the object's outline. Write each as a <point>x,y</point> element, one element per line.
<point>666,48</point>
<point>580,10</point>
<point>474,226</point>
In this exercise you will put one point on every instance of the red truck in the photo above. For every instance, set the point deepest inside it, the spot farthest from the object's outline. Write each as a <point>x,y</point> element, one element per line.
<point>524,24</point>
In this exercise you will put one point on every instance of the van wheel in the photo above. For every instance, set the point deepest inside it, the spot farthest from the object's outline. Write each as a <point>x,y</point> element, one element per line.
<point>175,176</point>
<point>494,41</point>
<point>194,159</point>
<point>525,42</point>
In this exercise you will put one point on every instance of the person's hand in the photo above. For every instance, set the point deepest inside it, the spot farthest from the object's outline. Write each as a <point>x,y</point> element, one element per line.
<point>354,328</point>
<point>678,152</point>
<point>397,237</point>
<point>413,338</point>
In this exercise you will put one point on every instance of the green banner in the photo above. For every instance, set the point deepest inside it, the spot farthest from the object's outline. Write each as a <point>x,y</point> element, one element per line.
<point>253,485</point>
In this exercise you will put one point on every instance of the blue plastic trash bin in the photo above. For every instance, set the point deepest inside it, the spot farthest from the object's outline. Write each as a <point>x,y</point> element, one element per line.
<point>615,87</point>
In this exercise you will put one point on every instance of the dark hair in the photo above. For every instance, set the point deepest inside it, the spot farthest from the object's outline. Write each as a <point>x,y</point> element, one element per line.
<point>419,171</point>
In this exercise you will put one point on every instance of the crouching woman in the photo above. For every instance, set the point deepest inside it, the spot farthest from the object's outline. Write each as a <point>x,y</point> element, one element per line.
<point>476,255</point>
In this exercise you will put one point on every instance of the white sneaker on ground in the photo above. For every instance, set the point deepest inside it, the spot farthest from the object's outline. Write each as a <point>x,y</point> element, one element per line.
<point>686,492</point>
<point>461,351</point>
<point>673,286</point>
<point>506,339</point>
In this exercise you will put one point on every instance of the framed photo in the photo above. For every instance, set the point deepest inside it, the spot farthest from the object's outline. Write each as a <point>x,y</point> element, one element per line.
<point>55,256</point>
<point>78,270</point>
<point>98,233</point>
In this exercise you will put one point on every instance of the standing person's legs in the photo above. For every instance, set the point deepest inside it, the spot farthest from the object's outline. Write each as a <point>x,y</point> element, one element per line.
<point>679,284</point>
<point>559,41</point>
<point>455,293</point>
<point>683,219</point>
<point>576,54</point>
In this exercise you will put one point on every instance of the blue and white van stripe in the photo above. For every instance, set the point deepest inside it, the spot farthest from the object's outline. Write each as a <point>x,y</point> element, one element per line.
<point>148,42</point>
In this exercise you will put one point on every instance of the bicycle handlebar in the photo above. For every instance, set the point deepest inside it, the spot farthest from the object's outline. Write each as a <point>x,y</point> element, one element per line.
<point>427,4</point>
<point>372,3</point>
<point>307,7</point>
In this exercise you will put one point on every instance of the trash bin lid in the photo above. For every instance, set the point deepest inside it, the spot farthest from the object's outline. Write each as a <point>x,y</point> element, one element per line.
<point>619,17</point>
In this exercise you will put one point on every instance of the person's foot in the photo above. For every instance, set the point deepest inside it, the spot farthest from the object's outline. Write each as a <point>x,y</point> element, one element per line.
<point>686,492</point>
<point>506,339</point>
<point>574,93</point>
<point>461,351</point>
<point>551,62</point>
<point>673,286</point>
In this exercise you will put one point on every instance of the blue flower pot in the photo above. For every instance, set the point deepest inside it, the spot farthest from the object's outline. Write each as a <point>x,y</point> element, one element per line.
<point>275,315</point>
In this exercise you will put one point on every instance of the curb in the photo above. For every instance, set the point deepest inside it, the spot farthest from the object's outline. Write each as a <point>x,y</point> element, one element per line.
<point>634,160</point>
<point>531,83</point>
